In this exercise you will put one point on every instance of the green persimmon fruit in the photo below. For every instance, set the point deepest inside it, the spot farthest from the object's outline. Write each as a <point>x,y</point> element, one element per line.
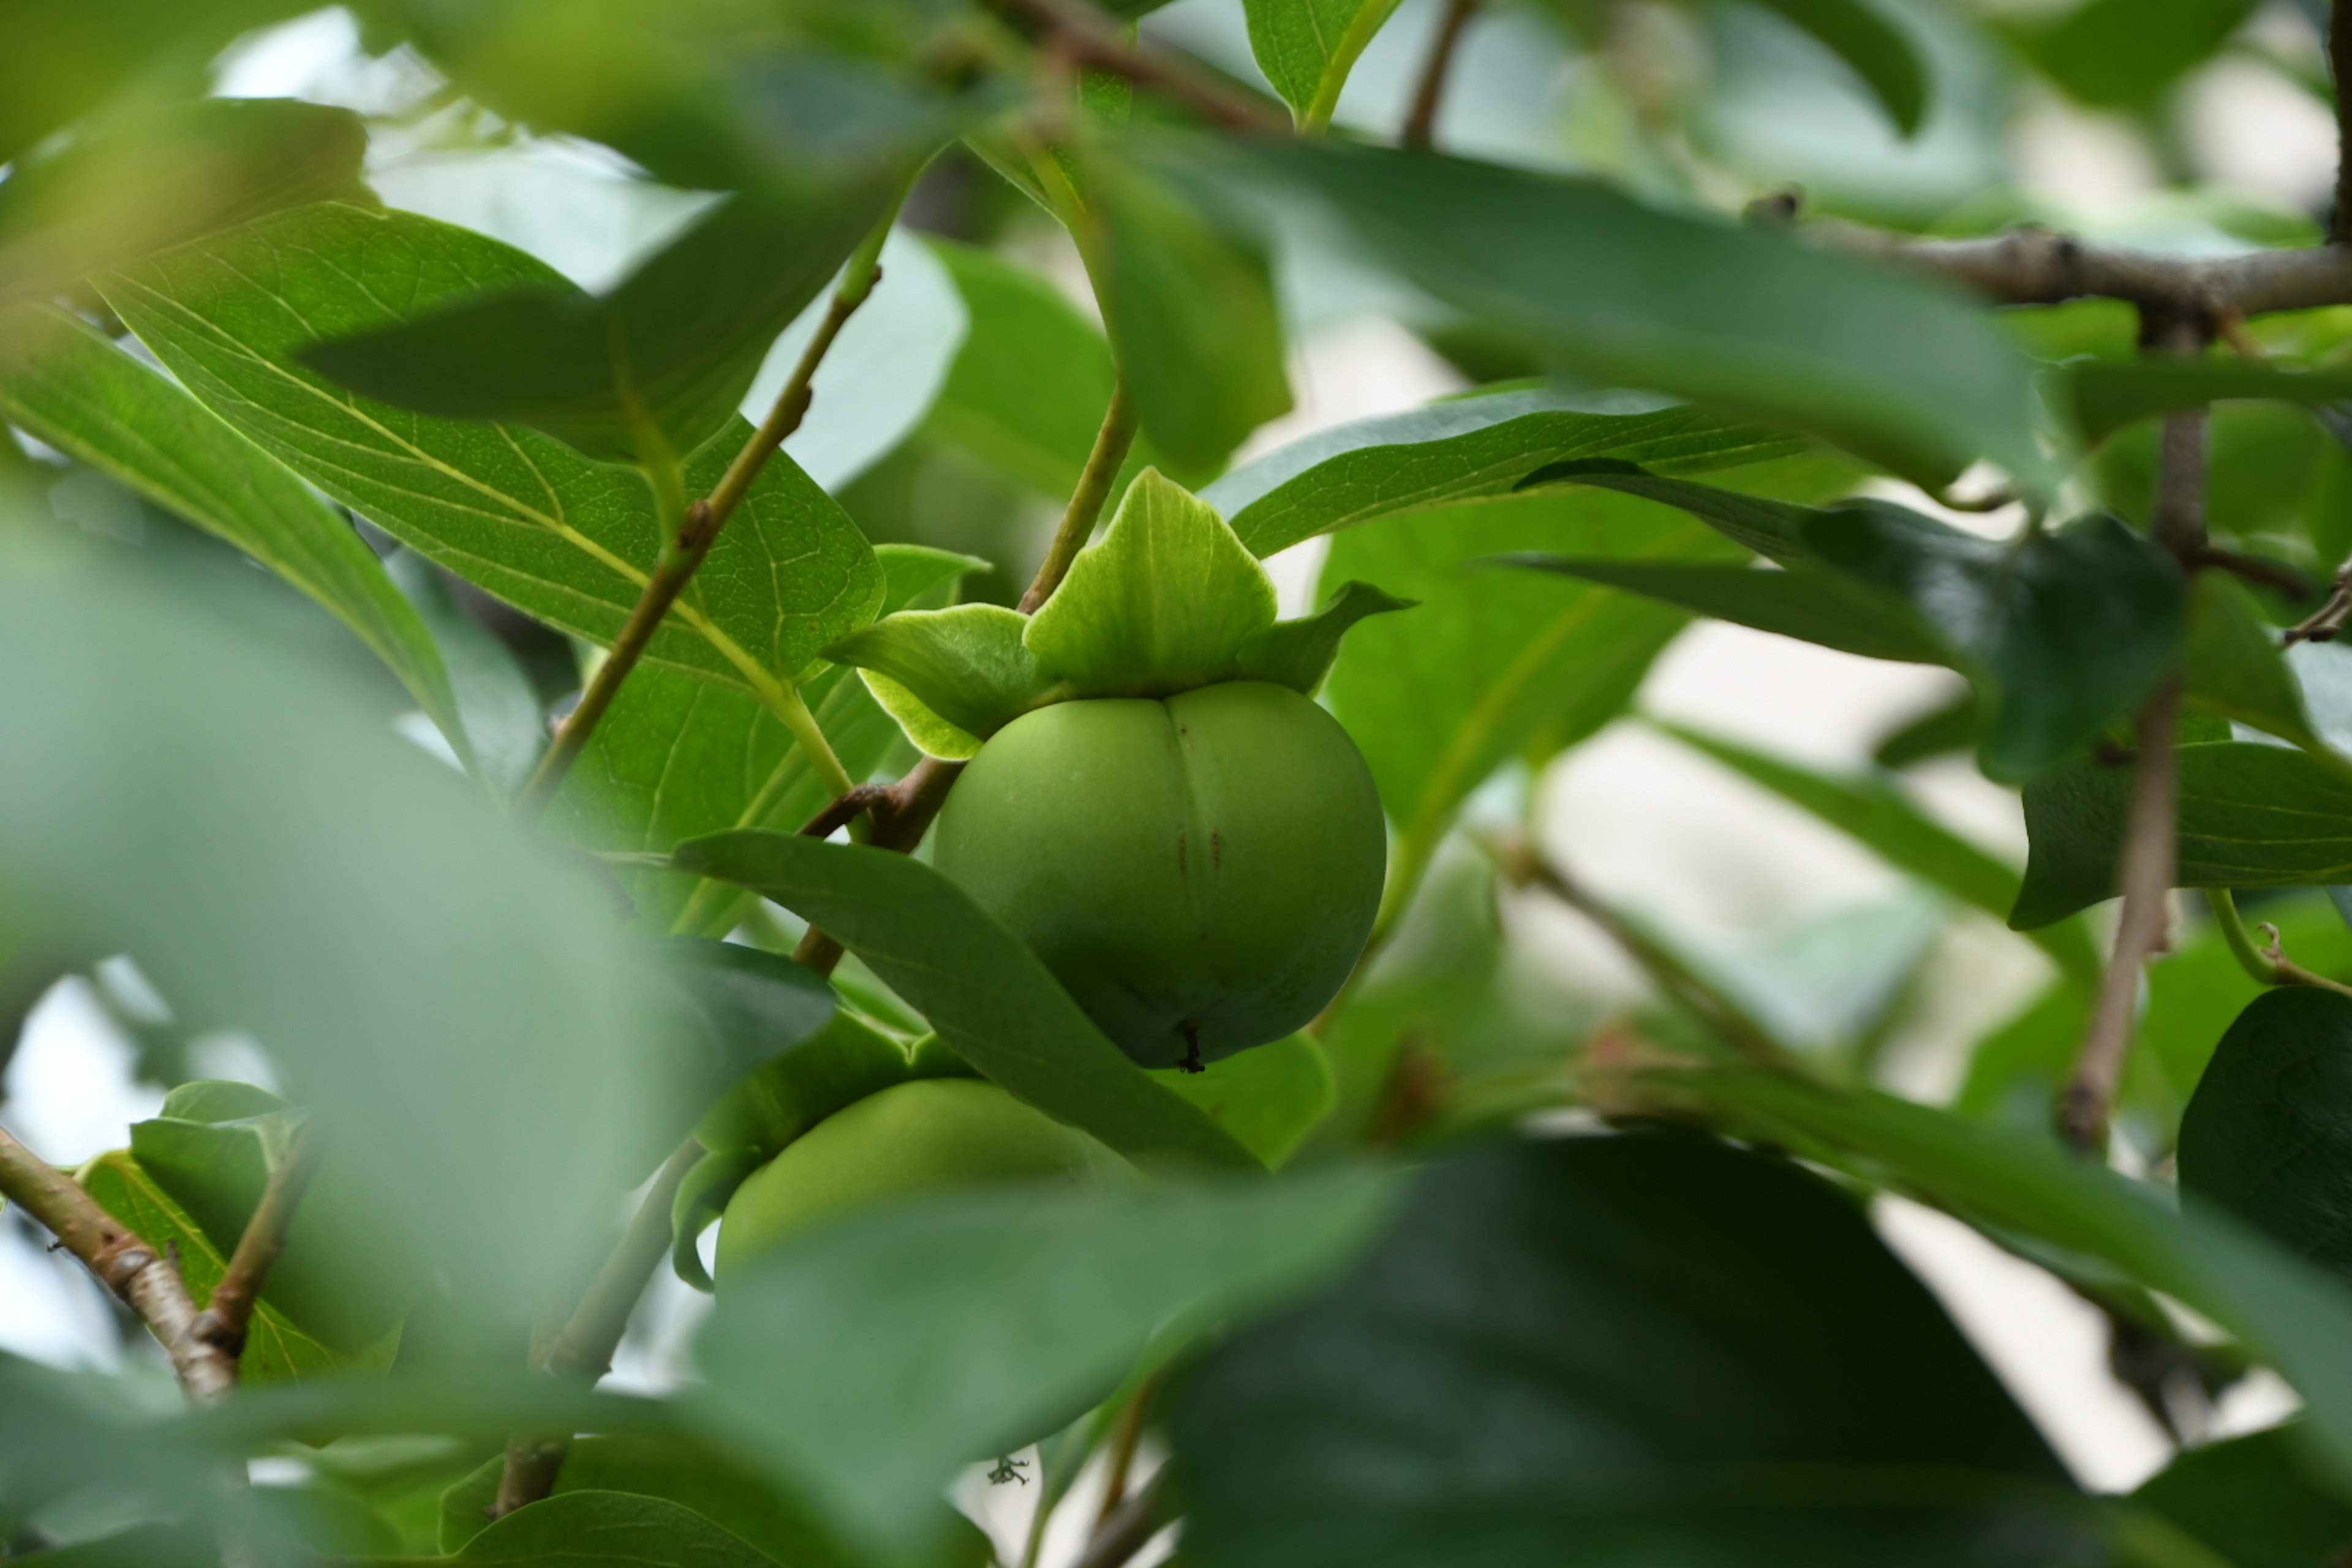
<point>1200,871</point>
<point>932,1135</point>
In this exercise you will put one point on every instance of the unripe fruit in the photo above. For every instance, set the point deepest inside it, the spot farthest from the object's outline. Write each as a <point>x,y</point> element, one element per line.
<point>932,1135</point>
<point>1200,871</point>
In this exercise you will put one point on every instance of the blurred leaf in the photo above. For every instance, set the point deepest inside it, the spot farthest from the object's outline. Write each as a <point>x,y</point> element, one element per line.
<point>63,1433</point>
<point>2110,53</point>
<point>2251,816</point>
<point>676,343</point>
<point>594,1529</point>
<point>2268,1134</point>
<point>1189,307</point>
<point>989,996</point>
<point>2286,1314</point>
<point>1751,321</point>
<point>2255,1499</point>
<point>2105,396</point>
<point>747,1007</point>
<point>1878,50</point>
<point>499,708</point>
<point>1881,818</point>
<point>276,1350</point>
<point>522,515</point>
<point>471,1031</point>
<point>934,1333</point>
<point>1800,600</point>
<point>1663,1337</point>
<point>1299,654</point>
<point>1307,47</point>
<point>1935,734</point>
<point>65,60</point>
<point>154,178</point>
<point>1269,1098</point>
<point>68,386</point>
<point>677,758</point>
<point>1463,446</point>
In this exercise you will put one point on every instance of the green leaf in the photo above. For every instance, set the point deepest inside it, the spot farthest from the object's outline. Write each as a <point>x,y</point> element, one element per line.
<point>2106,395</point>
<point>74,1433</point>
<point>1617,1351</point>
<point>1307,47</point>
<point>1299,654</point>
<point>989,997</point>
<point>522,515</point>
<point>65,383</point>
<point>212,1101</point>
<point>931,1334</point>
<point>2255,1499</point>
<point>453,1002</point>
<point>1802,601</point>
<point>676,343</point>
<point>711,1484</point>
<point>2234,664</point>
<point>499,708</point>
<point>276,1350</point>
<point>1164,602</point>
<point>1459,447</point>
<point>1190,309</point>
<point>1773,529</point>
<point>1269,1098</point>
<point>126,186</point>
<point>2112,53</point>
<point>744,1007</point>
<point>1879,815</point>
<point>2252,816</point>
<point>1936,732</point>
<point>2268,1134</point>
<point>967,665</point>
<point>610,1530</point>
<point>1750,321</point>
<point>2286,1314</point>
<point>1859,34</point>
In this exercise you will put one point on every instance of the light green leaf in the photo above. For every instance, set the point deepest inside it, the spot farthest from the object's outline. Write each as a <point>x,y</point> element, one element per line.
<point>1164,602</point>
<point>991,999</point>
<point>931,1334</point>
<point>1472,446</point>
<point>967,665</point>
<point>68,385</point>
<point>565,539</point>
<point>1299,654</point>
<point>505,723</point>
<point>1270,1098</point>
<point>1307,47</point>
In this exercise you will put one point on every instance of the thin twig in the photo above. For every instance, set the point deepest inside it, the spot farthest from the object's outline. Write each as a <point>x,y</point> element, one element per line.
<point>1125,1440</point>
<point>1421,124</point>
<point>1129,1528</point>
<point>899,824</point>
<point>2269,963</point>
<point>582,1348</point>
<point>228,1314</point>
<point>150,1285</point>
<point>1112,443</point>
<point>1084,33</point>
<point>697,529</point>
<point>1524,867</point>
<point>2147,871</point>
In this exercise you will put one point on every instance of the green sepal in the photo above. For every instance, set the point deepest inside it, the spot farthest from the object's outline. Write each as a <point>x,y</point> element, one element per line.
<point>1169,599</point>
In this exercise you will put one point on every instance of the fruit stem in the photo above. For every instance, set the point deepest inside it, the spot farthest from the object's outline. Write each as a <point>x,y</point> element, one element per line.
<point>1112,443</point>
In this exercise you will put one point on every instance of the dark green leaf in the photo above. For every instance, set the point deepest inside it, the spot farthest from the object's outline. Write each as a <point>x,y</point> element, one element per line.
<point>1307,47</point>
<point>1464,447</point>
<point>2268,1134</point>
<point>2233,665</point>
<point>1802,601</point>
<point>610,1530</point>
<point>1878,815</point>
<point>1299,654</point>
<point>68,385</point>
<point>2255,1499</point>
<point>743,1006</point>
<point>1880,54</point>
<point>676,343</point>
<point>522,515</point>
<point>931,1334</point>
<point>2111,53</point>
<point>1935,734</point>
<point>2106,396</point>
<point>1617,1351</point>
<point>1751,321</point>
<point>2251,816</point>
<point>989,997</point>
<point>1773,529</point>
<point>65,59</point>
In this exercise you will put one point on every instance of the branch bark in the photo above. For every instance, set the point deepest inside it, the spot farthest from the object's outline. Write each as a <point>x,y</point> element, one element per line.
<point>1086,35</point>
<point>1129,1527</point>
<point>1421,124</point>
<point>228,1314</point>
<point>150,1285</point>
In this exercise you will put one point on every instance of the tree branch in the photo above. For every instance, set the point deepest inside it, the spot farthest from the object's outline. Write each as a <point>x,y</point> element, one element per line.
<point>148,1285</point>
<point>697,529</point>
<point>1421,124</point>
<point>1126,1529</point>
<point>1086,35</point>
<point>228,1314</point>
<point>1112,443</point>
<point>582,1348</point>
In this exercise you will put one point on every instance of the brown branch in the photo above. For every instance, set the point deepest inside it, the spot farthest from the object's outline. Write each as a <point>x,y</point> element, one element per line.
<point>1129,1527</point>
<point>2339,62</point>
<point>151,1286</point>
<point>1084,33</point>
<point>697,529</point>
<point>228,1314</point>
<point>2260,569</point>
<point>1125,1439</point>
<point>1421,124</point>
